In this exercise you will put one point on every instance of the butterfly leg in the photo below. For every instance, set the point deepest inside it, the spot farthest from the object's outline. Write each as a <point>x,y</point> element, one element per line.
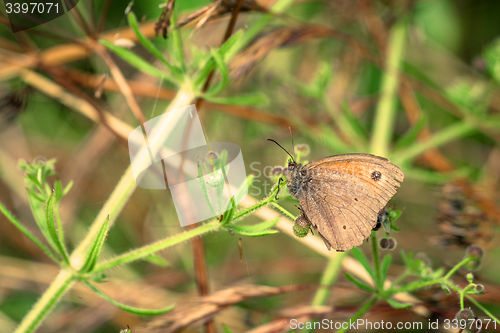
<point>279,183</point>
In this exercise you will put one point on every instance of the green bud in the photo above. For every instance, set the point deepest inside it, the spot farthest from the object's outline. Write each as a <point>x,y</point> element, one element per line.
<point>470,277</point>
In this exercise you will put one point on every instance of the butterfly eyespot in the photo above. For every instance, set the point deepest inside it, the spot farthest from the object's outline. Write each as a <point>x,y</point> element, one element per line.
<point>376,175</point>
<point>344,227</point>
<point>355,199</point>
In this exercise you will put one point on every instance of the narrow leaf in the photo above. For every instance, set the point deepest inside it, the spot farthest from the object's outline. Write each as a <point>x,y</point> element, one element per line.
<point>27,233</point>
<point>386,262</point>
<point>204,187</point>
<point>359,284</point>
<point>224,72</point>
<point>259,226</point>
<point>132,21</point>
<point>131,309</point>
<point>244,232</point>
<point>256,99</point>
<point>359,256</point>
<point>58,190</point>
<point>411,136</point>
<point>67,188</point>
<point>397,305</point>
<point>133,59</point>
<point>157,260</point>
<point>96,249</point>
<point>51,227</point>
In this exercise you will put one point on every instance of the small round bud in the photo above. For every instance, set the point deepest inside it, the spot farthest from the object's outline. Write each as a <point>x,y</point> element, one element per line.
<point>212,157</point>
<point>277,171</point>
<point>284,172</point>
<point>472,265</point>
<point>465,314</point>
<point>302,149</point>
<point>474,251</point>
<point>392,244</point>
<point>424,258</point>
<point>479,289</point>
<point>470,277</point>
<point>446,288</point>
<point>301,227</point>
<point>384,243</point>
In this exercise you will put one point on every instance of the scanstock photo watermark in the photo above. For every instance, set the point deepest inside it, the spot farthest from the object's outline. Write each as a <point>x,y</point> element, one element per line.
<point>364,324</point>
<point>26,14</point>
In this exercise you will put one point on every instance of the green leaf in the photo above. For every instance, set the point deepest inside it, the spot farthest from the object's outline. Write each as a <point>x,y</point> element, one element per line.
<point>210,64</point>
<point>35,181</point>
<point>176,41</point>
<point>131,309</point>
<point>134,60</point>
<point>359,284</point>
<point>96,249</point>
<point>256,99</point>
<point>35,195</point>
<point>353,122</point>
<point>224,72</point>
<point>359,256</point>
<point>259,226</point>
<point>67,188</point>
<point>132,21</point>
<point>58,190</point>
<point>27,233</point>
<point>242,231</point>
<point>157,260</point>
<point>51,227</point>
<point>226,329</point>
<point>386,262</point>
<point>228,214</point>
<point>204,187</point>
<point>397,305</point>
<point>411,136</point>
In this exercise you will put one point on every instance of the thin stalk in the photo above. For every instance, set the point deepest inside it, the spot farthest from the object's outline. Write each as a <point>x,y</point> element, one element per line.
<point>413,286</point>
<point>155,247</point>
<point>386,111</point>
<point>120,195</point>
<point>376,262</point>
<point>359,313</point>
<point>476,303</point>
<point>330,275</point>
<point>61,284</point>
<point>452,132</point>
<point>456,267</point>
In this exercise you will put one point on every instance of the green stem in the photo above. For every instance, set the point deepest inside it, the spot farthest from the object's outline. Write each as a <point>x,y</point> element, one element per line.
<point>120,195</point>
<point>330,275</point>
<point>452,132</point>
<point>283,210</point>
<point>376,262</point>
<point>476,303</point>
<point>61,284</point>
<point>155,247</point>
<point>413,286</point>
<point>456,267</point>
<point>360,312</point>
<point>400,278</point>
<point>386,111</point>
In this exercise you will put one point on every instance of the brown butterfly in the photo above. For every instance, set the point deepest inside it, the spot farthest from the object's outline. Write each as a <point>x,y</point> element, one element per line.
<point>341,196</point>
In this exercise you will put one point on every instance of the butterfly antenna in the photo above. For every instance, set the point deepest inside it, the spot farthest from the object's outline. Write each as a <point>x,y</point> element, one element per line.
<point>293,145</point>
<point>282,148</point>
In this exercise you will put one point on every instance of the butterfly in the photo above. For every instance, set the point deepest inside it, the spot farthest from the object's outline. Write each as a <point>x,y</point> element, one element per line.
<point>341,196</point>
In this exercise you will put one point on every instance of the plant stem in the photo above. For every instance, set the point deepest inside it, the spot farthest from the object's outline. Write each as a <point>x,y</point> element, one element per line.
<point>120,195</point>
<point>330,275</point>
<point>385,114</point>
<point>452,132</point>
<point>476,303</point>
<point>376,262</point>
<point>360,312</point>
<point>456,267</point>
<point>413,286</point>
<point>283,210</point>
<point>155,247</point>
<point>61,284</point>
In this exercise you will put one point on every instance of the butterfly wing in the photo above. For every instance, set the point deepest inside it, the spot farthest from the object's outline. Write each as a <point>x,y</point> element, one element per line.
<point>342,196</point>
